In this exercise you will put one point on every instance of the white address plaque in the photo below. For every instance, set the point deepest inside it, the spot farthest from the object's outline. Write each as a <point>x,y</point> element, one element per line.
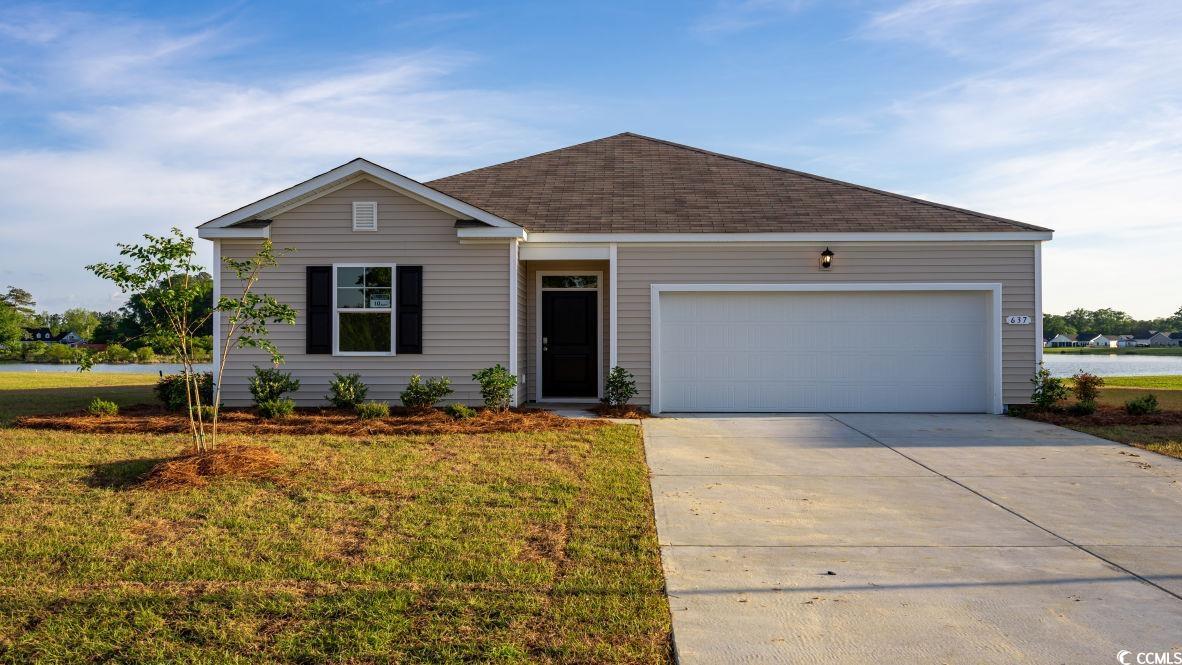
<point>1018,320</point>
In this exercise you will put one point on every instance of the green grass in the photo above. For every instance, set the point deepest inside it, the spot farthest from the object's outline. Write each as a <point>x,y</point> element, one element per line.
<point>27,393</point>
<point>1166,382</point>
<point>506,548</point>
<point>1143,351</point>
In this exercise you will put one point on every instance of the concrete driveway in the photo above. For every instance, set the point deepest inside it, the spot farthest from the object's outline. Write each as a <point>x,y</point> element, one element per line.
<point>913,538</point>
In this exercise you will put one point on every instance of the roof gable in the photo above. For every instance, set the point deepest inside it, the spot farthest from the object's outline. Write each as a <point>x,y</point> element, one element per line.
<point>629,183</point>
<point>342,176</point>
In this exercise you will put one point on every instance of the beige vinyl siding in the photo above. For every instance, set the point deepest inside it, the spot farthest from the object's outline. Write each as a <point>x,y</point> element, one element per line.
<point>465,294</point>
<point>532,322</point>
<point>1010,264</point>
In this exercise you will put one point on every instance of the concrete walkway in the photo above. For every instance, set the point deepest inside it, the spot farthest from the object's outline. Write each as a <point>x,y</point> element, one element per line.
<point>913,538</point>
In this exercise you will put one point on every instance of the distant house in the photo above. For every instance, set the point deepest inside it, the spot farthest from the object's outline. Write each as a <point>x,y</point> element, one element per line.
<point>1125,341</point>
<point>1141,337</point>
<point>1163,338</point>
<point>46,335</point>
<point>1060,340</point>
<point>1176,338</point>
<point>1094,340</point>
<point>72,339</point>
<point>41,335</point>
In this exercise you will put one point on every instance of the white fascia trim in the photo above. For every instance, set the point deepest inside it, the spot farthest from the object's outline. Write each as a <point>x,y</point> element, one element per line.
<point>216,269</point>
<point>548,237</point>
<point>514,267</point>
<point>613,308</point>
<point>517,233</point>
<point>411,188</point>
<point>994,290</point>
<point>571,252</point>
<point>213,234</point>
<point>1038,303</point>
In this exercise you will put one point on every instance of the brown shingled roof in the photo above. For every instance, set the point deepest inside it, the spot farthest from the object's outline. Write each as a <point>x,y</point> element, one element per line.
<point>629,183</point>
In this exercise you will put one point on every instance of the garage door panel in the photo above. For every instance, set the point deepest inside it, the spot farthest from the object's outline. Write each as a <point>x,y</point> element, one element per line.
<point>842,351</point>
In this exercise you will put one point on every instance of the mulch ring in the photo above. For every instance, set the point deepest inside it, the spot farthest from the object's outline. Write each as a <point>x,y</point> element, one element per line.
<point>624,411</point>
<point>341,422</point>
<point>197,469</point>
<point>1104,416</point>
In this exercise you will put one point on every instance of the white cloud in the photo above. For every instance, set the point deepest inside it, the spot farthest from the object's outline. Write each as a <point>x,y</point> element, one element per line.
<point>155,142</point>
<point>1070,118</point>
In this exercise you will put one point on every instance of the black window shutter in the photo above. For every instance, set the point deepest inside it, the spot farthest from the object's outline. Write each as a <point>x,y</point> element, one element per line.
<point>409,309</point>
<point>318,332</point>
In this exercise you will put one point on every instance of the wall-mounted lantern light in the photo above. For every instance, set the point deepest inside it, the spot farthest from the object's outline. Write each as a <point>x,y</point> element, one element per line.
<point>826,259</point>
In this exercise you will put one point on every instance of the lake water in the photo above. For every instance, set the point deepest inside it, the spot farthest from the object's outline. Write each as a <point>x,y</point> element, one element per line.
<point>133,368</point>
<point>1062,364</point>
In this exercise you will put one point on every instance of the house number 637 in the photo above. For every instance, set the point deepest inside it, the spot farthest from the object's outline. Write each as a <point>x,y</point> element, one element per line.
<point>1018,320</point>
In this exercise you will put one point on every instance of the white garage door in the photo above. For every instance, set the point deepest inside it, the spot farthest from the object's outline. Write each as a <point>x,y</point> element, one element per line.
<point>832,351</point>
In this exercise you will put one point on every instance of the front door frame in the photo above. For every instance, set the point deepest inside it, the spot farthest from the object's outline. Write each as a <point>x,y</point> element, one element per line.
<point>598,274</point>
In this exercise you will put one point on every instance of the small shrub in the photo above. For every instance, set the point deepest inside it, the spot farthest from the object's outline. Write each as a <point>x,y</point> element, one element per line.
<point>346,391</point>
<point>170,389</point>
<point>116,353</point>
<point>1087,387</point>
<point>145,354</point>
<point>270,384</point>
<point>496,386</point>
<point>420,394</point>
<point>619,387</point>
<point>101,407</point>
<point>460,411</point>
<point>205,411</point>
<point>277,408</point>
<point>371,410</point>
<point>1048,390</point>
<point>1082,409</point>
<point>1142,406</point>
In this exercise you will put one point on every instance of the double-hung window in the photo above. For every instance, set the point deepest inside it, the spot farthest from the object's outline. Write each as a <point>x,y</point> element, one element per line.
<point>363,304</point>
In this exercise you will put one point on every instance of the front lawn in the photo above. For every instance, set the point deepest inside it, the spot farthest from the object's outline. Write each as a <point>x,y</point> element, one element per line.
<point>511,547</point>
<point>27,393</point>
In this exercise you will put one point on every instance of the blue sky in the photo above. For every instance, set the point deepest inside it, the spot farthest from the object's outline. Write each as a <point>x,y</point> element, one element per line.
<point>123,118</point>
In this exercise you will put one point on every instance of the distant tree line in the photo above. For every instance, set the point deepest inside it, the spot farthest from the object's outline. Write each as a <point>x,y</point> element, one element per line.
<point>130,326</point>
<point>1106,322</point>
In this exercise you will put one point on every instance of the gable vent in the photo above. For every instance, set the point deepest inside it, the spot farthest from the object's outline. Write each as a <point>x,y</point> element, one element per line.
<point>365,216</point>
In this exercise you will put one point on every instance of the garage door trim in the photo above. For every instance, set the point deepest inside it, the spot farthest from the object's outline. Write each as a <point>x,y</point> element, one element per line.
<point>994,333</point>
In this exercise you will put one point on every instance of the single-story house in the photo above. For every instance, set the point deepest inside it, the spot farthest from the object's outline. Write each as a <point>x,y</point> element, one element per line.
<point>1162,338</point>
<point>1095,340</point>
<point>1141,337</point>
<point>720,283</point>
<point>1061,340</point>
<point>1176,339</point>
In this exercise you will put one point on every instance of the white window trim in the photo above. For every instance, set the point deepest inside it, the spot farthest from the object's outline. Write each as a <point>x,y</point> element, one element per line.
<point>598,289</point>
<point>375,216</point>
<point>336,319</point>
<point>992,342</point>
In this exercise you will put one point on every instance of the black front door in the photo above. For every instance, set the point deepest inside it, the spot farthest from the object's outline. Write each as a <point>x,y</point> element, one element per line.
<point>569,354</point>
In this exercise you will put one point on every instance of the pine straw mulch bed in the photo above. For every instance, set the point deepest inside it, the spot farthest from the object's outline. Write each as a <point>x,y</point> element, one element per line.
<point>1105,416</point>
<point>624,411</point>
<point>196,469</point>
<point>340,422</point>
